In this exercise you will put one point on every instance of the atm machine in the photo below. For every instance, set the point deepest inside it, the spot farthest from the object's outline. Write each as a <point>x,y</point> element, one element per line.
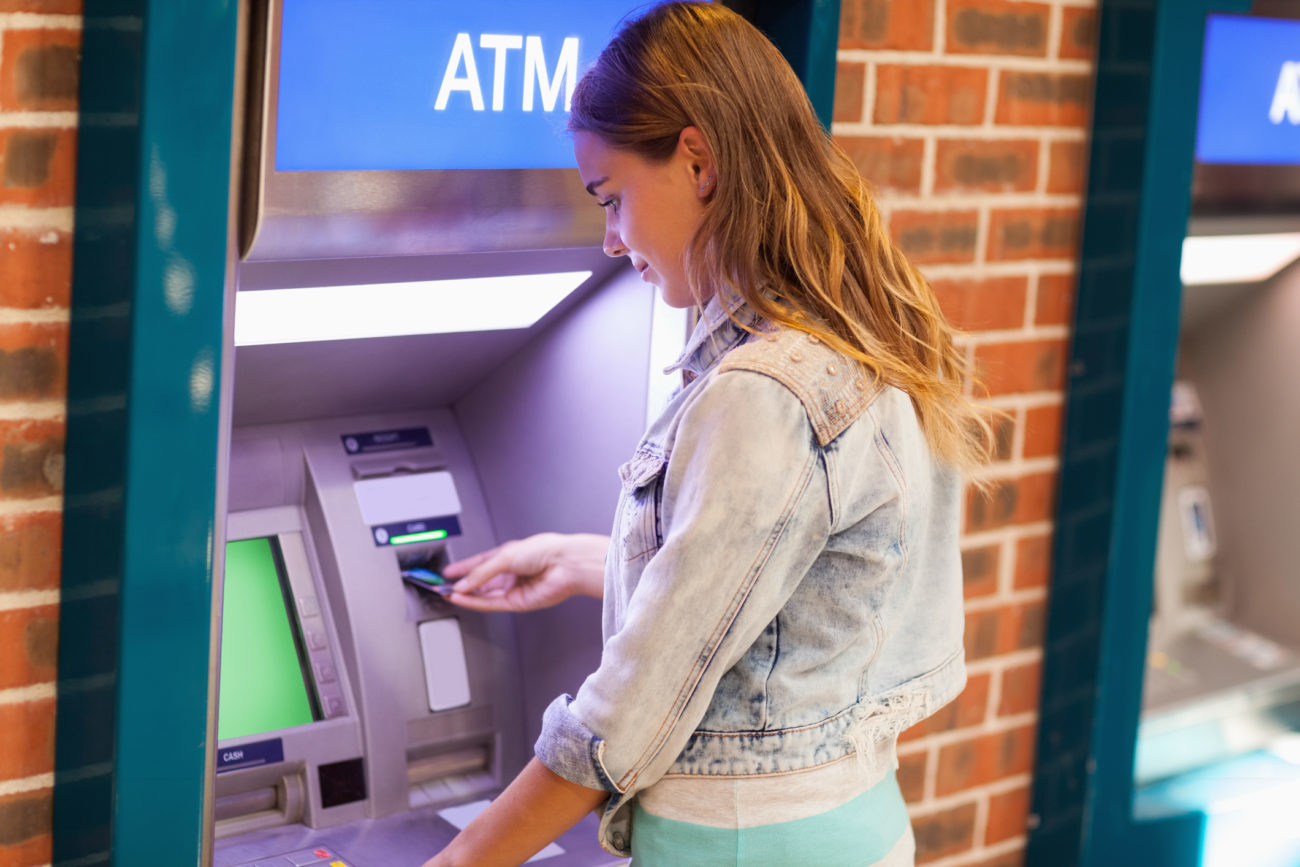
<point>1216,686</point>
<point>1220,727</point>
<point>431,355</point>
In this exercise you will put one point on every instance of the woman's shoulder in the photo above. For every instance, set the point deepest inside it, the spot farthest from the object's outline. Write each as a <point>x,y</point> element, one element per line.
<point>834,389</point>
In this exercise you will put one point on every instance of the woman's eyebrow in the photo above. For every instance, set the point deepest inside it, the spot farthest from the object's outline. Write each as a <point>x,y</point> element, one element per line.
<point>591,187</point>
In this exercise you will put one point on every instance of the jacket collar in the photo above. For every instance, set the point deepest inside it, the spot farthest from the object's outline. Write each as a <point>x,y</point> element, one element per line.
<point>715,333</point>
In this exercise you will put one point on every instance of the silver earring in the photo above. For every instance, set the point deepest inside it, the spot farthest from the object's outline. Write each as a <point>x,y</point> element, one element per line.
<point>707,183</point>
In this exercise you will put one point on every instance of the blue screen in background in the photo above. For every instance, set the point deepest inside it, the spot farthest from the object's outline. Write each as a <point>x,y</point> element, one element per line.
<point>1250,92</point>
<point>393,85</point>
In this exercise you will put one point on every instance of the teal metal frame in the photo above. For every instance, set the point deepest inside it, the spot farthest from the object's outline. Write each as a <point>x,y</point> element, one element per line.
<point>807,32</point>
<point>150,278</point>
<point>1117,424</point>
<point>148,297</point>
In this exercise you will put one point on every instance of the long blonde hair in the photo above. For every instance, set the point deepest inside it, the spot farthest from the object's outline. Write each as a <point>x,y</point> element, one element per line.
<point>791,226</point>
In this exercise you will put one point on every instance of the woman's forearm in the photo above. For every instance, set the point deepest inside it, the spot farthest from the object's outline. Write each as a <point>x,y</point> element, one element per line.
<point>588,551</point>
<point>535,809</point>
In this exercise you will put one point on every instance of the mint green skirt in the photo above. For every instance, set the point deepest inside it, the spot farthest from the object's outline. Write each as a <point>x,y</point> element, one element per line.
<point>871,829</point>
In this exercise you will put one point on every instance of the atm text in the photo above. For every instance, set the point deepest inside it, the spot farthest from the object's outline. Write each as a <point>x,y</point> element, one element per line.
<point>462,74</point>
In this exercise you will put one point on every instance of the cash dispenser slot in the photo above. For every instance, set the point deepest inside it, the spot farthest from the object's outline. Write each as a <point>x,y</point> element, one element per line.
<point>266,798</point>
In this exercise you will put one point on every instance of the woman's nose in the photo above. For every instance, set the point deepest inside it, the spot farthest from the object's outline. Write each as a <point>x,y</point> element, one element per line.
<point>613,245</point>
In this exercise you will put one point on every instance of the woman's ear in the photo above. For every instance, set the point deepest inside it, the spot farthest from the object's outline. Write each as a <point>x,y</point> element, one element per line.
<point>698,157</point>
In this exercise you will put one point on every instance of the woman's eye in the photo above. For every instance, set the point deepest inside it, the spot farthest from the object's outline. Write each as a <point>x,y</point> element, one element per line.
<point>610,203</point>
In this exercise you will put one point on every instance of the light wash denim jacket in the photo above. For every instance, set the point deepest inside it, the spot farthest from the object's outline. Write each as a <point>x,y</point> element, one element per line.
<point>783,583</point>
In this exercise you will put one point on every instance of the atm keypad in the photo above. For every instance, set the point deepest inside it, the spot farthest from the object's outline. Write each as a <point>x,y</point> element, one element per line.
<point>316,638</point>
<point>316,857</point>
<point>332,705</point>
<point>311,856</point>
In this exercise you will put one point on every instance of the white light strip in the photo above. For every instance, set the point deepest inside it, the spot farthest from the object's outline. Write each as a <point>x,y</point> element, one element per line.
<point>390,309</point>
<point>668,333</point>
<point>1211,259</point>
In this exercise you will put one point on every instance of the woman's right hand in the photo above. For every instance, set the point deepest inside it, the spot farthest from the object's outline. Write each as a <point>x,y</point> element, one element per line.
<point>527,574</point>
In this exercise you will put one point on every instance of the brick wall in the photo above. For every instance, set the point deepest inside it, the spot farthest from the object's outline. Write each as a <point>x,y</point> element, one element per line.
<point>970,117</point>
<point>39,61</point>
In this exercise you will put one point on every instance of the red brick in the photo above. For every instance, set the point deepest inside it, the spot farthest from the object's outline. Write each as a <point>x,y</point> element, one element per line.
<point>911,775</point>
<point>984,759</point>
<point>1021,366</point>
<point>998,631</point>
<point>38,167</point>
<point>26,739</point>
<point>1022,500</point>
<point>1008,815</point>
<point>1043,431</point>
<point>979,570</point>
<point>889,164</point>
<point>934,237</point>
<point>1066,165</point>
<point>930,94</point>
<point>985,304</point>
<point>37,268</point>
<point>1043,98</point>
<point>33,360</point>
<point>968,709</point>
<point>887,24</point>
<point>1033,233</point>
<point>1020,687</point>
<point>26,820</point>
<point>39,69</point>
<point>29,643</point>
<point>944,833</point>
<point>850,87</point>
<point>1079,33</point>
<point>1014,858</point>
<point>31,459</point>
<point>1004,436</point>
<point>1055,303</point>
<point>37,850</point>
<point>1033,562</point>
<point>29,551</point>
<point>997,27</point>
<point>46,7</point>
<point>986,166</point>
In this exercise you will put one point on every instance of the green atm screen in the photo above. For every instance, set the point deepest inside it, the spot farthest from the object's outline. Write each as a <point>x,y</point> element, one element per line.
<point>262,683</point>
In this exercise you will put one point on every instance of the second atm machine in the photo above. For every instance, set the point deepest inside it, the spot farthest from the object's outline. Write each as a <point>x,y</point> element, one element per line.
<point>1220,729</point>
<point>431,356</point>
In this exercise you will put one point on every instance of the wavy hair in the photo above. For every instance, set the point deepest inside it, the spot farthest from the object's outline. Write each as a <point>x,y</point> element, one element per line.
<point>791,226</point>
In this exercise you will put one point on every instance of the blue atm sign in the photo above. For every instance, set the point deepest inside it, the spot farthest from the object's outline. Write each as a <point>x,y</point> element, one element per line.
<point>1250,92</point>
<point>433,84</point>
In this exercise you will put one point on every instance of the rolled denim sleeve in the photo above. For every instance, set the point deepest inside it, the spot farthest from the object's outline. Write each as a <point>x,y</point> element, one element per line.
<point>745,512</point>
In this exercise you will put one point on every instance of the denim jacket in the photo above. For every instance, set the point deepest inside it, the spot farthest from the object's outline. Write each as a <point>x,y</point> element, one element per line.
<point>783,586</point>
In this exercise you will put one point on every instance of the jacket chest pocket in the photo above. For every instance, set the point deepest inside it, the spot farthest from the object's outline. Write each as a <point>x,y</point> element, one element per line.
<point>640,506</point>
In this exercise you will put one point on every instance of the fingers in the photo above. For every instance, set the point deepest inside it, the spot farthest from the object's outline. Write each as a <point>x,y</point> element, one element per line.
<point>475,602</point>
<point>497,562</point>
<point>461,568</point>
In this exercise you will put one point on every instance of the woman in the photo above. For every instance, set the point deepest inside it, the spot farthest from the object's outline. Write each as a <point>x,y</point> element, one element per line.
<point>782,591</point>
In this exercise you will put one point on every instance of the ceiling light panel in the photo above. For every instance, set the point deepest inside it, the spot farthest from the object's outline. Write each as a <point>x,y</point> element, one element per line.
<point>310,314</point>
